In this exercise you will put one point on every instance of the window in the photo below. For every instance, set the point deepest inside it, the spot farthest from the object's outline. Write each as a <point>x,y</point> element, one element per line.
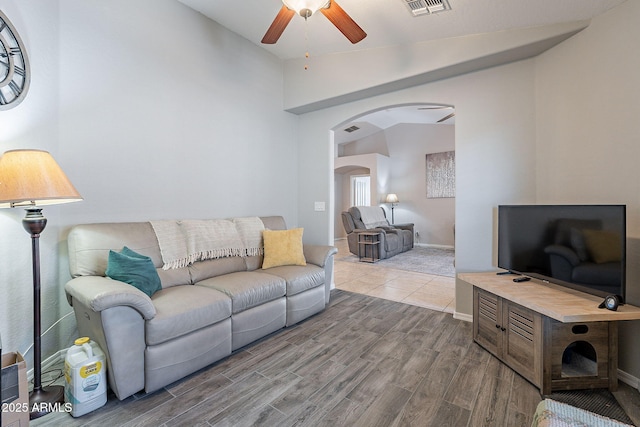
<point>360,190</point>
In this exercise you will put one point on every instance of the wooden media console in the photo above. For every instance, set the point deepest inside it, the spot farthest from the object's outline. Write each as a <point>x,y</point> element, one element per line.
<point>555,337</point>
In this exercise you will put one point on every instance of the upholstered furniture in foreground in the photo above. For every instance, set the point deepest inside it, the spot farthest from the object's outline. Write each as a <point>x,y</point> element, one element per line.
<point>395,238</point>
<point>204,310</point>
<point>551,413</point>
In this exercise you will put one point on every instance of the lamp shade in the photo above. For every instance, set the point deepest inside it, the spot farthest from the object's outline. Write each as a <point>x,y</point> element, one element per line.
<point>33,178</point>
<point>392,198</point>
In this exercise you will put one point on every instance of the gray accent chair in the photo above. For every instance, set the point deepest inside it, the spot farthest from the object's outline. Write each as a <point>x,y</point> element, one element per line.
<point>395,238</point>
<point>202,313</point>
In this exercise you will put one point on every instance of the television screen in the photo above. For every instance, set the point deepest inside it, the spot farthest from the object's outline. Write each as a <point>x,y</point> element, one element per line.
<point>579,246</point>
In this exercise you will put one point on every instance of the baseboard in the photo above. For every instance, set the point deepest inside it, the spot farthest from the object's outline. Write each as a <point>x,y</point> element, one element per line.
<point>427,245</point>
<point>629,379</point>
<point>463,316</point>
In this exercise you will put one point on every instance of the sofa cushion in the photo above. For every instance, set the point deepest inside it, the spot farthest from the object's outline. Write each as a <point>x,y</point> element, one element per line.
<point>135,269</point>
<point>247,288</point>
<point>184,309</point>
<point>89,245</point>
<point>174,277</point>
<point>299,278</point>
<point>283,247</point>
<point>202,270</point>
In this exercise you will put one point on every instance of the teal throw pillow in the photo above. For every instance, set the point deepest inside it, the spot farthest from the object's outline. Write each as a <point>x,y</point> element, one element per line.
<point>135,269</point>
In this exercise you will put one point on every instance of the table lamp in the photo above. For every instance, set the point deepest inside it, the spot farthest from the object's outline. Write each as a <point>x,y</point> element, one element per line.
<point>32,178</point>
<point>393,199</point>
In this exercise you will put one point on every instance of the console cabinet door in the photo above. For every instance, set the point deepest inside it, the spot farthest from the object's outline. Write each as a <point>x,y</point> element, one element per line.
<point>522,349</point>
<point>487,313</point>
<point>510,332</point>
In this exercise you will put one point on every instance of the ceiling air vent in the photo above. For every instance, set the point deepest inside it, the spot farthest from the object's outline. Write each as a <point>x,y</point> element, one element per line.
<point>426,7</point>
<point>352,129</point>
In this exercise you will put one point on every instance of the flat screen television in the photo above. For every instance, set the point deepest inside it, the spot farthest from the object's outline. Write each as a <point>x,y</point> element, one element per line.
<point>578,246</point>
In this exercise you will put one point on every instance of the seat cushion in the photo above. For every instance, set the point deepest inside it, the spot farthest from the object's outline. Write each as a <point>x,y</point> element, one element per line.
<point>247,288</point>
<point>183,309</point>
<point>298,278</point>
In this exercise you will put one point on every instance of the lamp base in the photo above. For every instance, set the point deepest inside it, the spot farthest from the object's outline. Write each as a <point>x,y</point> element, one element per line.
<point>45,400</point>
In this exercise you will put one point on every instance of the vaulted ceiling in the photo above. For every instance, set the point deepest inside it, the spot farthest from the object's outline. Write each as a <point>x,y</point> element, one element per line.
<point>390,22</point>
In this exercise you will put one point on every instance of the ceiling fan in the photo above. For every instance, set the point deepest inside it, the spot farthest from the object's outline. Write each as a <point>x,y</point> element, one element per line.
<point>445,118</point>
<point>306,8</point>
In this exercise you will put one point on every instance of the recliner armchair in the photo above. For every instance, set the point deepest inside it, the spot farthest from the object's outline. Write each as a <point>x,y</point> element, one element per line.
<point>395,238</point>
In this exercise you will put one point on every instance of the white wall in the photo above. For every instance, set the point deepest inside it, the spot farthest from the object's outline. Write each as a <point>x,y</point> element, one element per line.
<point>495,155</point>
<point>588,104</point>
<point>408,146</point>
<point>32,124</point>
<point>153,111</point>
<point>375,165</point>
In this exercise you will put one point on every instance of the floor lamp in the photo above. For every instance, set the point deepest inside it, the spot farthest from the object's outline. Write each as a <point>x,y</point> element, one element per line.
<point>32,178</point>
<point>393,199</point>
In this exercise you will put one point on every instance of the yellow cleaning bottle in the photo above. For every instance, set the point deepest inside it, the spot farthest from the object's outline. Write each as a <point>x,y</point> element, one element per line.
<point>85,377</point>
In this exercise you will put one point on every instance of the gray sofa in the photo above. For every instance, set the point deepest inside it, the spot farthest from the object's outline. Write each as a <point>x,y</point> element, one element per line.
<point>203,312</point>
<point>395,238</point>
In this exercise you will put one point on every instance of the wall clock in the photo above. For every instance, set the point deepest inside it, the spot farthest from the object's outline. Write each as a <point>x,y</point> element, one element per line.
<point>14,66</point>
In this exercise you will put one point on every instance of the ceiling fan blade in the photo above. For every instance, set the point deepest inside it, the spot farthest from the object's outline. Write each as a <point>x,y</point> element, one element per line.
<point>278,25</point>
<point>343,22</point>
<point>434,108</point>
<point>447,117</point>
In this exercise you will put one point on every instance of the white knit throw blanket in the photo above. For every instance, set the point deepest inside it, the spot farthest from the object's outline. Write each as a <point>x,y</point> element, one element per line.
<point>372,216</point>
<point>185,242</point>
<point>172,242</point>
<point>250,230</point>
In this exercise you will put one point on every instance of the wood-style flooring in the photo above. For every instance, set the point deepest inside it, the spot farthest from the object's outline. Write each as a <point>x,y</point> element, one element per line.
<point>364,361</point>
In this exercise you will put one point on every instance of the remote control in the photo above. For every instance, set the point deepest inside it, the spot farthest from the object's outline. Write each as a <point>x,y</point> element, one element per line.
<point>521,279</point>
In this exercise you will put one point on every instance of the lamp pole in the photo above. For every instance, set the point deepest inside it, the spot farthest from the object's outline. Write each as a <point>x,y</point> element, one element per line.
<point>40,398</point>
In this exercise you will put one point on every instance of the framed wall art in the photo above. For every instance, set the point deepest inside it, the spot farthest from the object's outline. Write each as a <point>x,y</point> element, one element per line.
<point>441,175</point>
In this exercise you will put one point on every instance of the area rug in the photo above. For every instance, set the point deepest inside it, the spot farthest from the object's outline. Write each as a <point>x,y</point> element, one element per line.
<point>550,413</point>
<point>428,260</point>
<point>599,401</point>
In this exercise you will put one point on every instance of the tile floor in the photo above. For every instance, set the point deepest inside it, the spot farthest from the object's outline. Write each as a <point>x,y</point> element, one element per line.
<point>424,290</point>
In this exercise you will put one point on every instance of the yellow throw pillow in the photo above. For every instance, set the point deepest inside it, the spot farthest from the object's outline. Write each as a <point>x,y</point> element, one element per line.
<point>283,247</point>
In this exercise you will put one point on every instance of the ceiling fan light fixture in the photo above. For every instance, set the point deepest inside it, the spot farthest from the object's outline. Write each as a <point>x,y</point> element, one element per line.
<point>305,8</point>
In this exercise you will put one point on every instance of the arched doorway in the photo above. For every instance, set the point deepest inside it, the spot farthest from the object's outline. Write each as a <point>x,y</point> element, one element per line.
<point>391,143</point>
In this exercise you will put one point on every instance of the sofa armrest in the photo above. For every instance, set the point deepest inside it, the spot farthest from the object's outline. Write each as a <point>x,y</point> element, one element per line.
<point>100,293</point>
<point>407,226</point>
<point>322,256</point>
<point>381,230</point>
<point>319,254</point>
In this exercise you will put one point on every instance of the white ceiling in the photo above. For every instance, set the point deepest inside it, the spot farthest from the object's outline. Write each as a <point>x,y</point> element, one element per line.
<point>380,120</point>
<point>389,22</point>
